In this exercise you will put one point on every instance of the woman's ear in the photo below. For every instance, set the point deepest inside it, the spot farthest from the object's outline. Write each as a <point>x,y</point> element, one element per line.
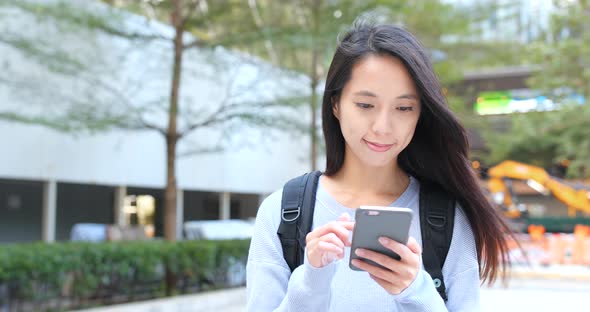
<point>335,107</point>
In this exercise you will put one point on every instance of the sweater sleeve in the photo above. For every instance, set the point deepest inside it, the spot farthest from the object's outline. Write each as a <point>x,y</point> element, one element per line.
<point>270,284</point>
<point>461,275</point>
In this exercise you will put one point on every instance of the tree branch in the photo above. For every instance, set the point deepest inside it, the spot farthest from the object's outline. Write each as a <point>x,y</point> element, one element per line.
<point>192,7</point>
<point>92,20</point>
<point>259,23</point>
<point>196,43</point>
<point>53,124</point>
<point>147,125</point>
<point>202,150</point>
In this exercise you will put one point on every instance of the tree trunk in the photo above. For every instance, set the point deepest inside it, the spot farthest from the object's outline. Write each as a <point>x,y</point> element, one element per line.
<point>171,134</point>
<point>314,84</point>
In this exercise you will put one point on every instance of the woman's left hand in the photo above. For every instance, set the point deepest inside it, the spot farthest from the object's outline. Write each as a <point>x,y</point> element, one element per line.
<point>399,273</point>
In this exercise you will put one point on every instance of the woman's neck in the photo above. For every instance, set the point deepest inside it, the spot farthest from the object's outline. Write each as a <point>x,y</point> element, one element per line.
<point>354,177</point>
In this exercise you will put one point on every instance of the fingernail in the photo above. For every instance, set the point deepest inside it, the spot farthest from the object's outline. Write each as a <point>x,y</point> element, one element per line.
<point>359,252</point>
<point>383,240</point>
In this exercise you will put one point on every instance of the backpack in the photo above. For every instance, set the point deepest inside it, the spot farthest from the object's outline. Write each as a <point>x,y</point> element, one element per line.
<point>437,214</point>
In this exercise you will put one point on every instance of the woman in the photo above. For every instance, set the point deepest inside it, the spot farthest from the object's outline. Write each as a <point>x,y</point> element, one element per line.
<point>387,129</point>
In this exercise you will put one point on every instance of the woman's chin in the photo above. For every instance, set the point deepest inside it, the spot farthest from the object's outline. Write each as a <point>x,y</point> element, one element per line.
<point>379,163</point>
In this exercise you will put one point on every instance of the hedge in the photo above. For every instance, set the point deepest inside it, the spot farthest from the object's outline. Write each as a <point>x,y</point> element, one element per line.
<point>61,276</point>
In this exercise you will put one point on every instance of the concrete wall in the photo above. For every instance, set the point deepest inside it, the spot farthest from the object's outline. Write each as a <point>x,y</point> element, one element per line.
<point>137,158</point>
<point>123,78</point>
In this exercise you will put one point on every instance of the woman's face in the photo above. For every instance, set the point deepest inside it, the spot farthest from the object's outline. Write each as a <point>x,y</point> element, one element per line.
<point>378,110</point>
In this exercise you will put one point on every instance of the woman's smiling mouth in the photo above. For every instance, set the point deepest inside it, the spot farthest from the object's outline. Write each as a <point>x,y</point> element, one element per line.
<point>380,148</point>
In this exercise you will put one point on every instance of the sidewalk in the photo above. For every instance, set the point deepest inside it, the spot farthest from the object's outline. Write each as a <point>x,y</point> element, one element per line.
<point>229,300</point>
<point>551,272</point>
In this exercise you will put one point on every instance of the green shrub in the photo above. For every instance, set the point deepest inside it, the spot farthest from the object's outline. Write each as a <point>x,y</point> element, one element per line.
<point>82,272</point>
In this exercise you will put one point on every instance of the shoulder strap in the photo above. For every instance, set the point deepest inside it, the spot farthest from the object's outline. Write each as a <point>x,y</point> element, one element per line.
<point>437,216</point>
<point>297,207</point>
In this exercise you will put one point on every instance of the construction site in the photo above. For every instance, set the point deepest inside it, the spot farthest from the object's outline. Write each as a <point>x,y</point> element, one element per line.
<point>549,215</point>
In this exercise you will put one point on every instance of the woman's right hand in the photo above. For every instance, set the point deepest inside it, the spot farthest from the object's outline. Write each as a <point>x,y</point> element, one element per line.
<point>326,243</point>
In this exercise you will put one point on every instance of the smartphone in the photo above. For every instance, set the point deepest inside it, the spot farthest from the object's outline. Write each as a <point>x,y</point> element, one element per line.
<point>373,222</point>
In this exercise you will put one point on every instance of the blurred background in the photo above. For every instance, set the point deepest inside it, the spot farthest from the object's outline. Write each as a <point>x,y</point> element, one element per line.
<point>140,136</point>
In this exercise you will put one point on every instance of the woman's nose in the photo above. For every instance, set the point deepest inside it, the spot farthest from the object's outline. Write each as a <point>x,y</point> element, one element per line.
<point>383,124</point>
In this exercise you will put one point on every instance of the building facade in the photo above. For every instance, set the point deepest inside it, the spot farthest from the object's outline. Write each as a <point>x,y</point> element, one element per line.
<point>51,180</point>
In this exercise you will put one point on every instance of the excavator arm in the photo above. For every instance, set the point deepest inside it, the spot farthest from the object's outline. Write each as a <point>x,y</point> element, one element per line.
<point>577,198</point>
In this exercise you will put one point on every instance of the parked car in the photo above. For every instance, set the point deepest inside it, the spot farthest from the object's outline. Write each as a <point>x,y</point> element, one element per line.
<point>218,229</point>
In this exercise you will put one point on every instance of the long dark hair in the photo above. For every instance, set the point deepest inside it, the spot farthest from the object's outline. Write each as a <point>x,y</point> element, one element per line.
<point>439,150</point>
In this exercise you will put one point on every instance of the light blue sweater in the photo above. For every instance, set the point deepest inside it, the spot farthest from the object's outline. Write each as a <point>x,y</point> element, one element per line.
<point>335,287</point>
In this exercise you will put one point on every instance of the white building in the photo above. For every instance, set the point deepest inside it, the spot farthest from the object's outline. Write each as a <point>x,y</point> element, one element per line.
<point>521,21</point>
<point>51,180</point>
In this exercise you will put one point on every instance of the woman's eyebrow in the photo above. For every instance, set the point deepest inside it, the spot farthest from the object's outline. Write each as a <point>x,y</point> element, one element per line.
<point>408,96</point>
<point>365,93</point>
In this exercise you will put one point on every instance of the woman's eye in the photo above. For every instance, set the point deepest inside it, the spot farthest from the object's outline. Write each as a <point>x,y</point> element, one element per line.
<point>406,108</point>
<point>364,105</point>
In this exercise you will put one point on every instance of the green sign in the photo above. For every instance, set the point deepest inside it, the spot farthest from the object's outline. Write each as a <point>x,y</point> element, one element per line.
<point>519,101</point>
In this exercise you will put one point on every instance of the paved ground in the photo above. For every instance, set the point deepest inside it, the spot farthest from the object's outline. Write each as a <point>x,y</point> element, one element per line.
<point>539,289</point>
<point>538,295</point>
<point>232,300</point>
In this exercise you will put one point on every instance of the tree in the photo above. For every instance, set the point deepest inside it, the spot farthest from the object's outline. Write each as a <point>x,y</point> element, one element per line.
<point>565,57</point>
<point>107,96</point>
<point>301,35</point>
<point>546,138</point>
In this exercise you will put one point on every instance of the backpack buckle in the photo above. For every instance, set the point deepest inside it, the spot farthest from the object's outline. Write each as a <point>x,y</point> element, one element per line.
<point>288,211</point>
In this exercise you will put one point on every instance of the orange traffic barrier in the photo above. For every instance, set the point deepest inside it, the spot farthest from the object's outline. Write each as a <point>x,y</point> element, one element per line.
<point>554,248</point>
<point>582,251</point>
<point>581,230</point>
<point>586,257</point>
<point>570,253</point>
<point>537,232</point>
<point>551,248</point>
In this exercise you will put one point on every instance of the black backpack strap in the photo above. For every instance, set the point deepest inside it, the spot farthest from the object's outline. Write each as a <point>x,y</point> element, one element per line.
<point>437,216</point>
<point>297,207</point>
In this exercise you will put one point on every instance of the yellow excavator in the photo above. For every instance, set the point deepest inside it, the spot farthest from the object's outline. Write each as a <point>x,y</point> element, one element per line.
<point>576,196</point>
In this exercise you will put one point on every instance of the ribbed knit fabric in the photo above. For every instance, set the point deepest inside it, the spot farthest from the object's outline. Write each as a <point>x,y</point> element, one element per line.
<point>271,286</point>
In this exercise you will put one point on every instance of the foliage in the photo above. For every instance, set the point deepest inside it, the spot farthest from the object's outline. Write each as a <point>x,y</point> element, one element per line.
<point>546,138</point>
<point>87,272</point>
<point>565,58</point>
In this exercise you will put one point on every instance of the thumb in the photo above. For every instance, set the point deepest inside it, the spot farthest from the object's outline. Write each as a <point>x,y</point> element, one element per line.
<point>344,217</point>
<point>414,246</point>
